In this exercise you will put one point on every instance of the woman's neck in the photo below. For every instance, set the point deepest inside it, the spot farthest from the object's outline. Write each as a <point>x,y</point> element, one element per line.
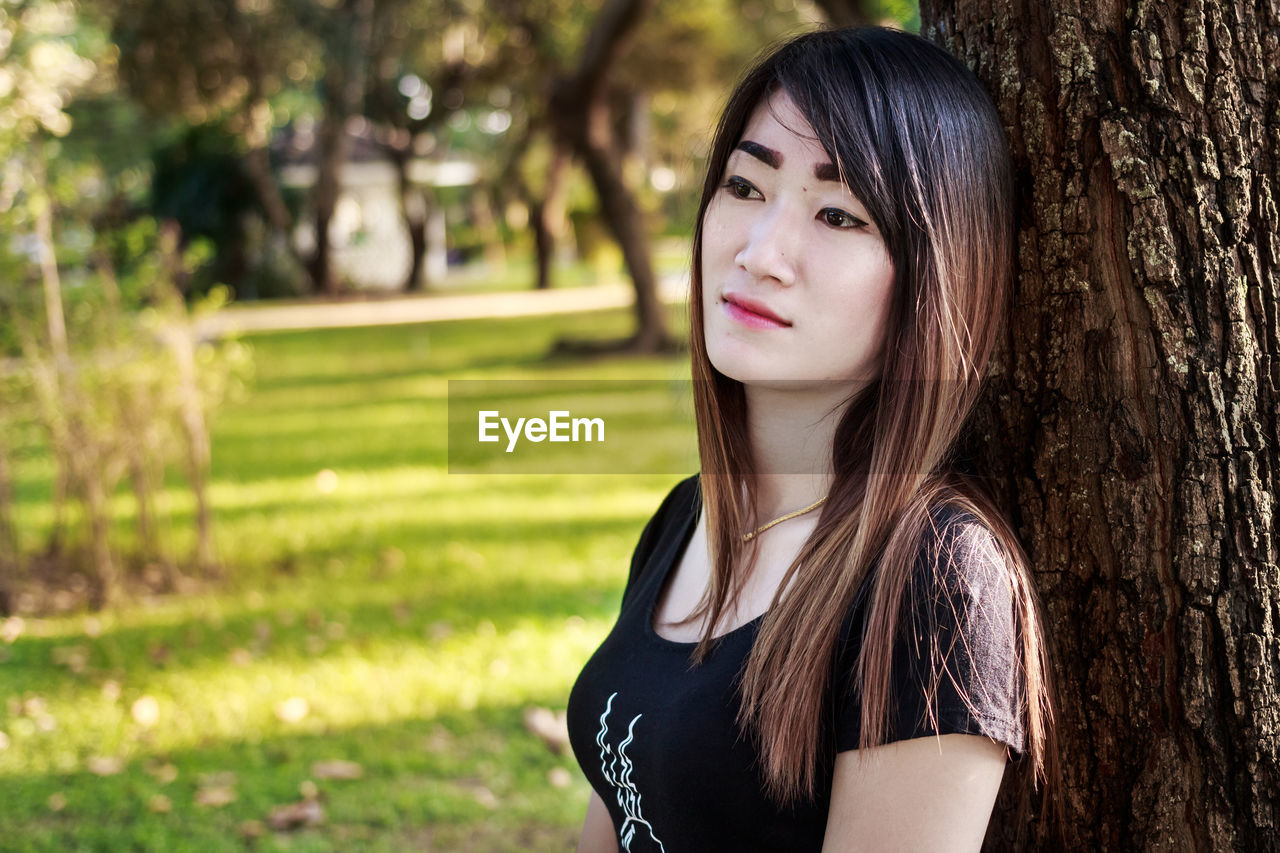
<point>791,434</point>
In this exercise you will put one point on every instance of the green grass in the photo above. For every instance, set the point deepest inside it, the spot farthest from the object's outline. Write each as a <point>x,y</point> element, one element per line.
<point>418,613</point>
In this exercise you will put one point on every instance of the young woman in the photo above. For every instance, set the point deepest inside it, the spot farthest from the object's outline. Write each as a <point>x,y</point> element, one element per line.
<point>828,638</point>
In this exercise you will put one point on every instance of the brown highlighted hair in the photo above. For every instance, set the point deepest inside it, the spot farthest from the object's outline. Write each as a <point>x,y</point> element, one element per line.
<point>915,137</point>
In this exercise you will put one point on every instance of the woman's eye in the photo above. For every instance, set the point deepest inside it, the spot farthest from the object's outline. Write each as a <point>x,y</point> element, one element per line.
<point>839,219</point>
<point>740,188</point>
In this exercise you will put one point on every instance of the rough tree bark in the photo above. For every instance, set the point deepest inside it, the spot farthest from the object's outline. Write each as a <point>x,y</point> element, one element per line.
<point>1132,417</point>
<point>582,120</point>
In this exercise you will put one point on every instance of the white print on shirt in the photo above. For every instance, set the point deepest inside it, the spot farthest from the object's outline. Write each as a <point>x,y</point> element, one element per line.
<point>625,790</point>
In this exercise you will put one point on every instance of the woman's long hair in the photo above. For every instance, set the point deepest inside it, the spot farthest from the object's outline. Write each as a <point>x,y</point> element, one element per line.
<point>916,139</point>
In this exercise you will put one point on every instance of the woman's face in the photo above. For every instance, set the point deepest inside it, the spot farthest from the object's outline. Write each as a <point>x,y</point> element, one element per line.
<point>796,280</point>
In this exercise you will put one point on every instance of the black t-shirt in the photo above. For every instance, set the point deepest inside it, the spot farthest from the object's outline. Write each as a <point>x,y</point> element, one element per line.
<point>660,743</point>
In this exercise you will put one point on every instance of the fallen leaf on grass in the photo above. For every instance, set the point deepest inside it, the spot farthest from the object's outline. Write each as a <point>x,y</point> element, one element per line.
<point>215,796</point>
<point>162,772</point>
<point>11,629</point>
<point>549,727</point>
<point>336,769</point>
<point>439,740</point>
<point>295,815</point>
<point>160,804</point>
<point>391,559</point>
<point>221,779</point>
<point>251,829</point>
<point>74,658</point>
<point>480,791</point>
<point>57,802</point>
<point>104,765</point>
<point>293,709</point>
<point>401,612</point>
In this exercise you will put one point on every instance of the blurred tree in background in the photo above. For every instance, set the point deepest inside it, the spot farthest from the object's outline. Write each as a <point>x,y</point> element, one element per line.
<point>420,79</point>
<point>100,358</point>
<point>152,149</point>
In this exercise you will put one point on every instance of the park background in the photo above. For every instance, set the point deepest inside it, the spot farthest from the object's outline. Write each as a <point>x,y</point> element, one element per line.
<point>243,601</point>
<point>248,601</point>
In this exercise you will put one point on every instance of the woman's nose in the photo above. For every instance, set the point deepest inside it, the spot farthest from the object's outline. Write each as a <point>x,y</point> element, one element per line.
<point>771,249</point>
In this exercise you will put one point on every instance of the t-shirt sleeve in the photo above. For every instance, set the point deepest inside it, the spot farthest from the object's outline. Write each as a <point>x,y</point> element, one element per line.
<point>956,630</point>
<point>681,500</point>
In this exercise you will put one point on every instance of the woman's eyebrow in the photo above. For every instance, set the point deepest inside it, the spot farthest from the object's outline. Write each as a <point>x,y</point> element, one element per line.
<point>768,156</point>
<point>773,159</point>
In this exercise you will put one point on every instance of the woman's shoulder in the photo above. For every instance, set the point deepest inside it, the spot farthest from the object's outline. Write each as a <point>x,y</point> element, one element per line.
<point>678,506</point>
<point>681,502</point>
<point>684,495</point>
<point>960,548</point>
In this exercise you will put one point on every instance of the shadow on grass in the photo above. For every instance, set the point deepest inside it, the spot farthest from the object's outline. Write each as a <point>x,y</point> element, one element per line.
<point>417,608</point>
<point>471,781</point>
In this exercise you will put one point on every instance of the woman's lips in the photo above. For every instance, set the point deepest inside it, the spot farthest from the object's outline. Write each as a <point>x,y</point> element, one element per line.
<point>751,314</point>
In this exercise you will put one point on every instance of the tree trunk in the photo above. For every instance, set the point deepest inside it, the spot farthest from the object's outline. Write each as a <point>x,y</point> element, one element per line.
<point>547,216</point>
<point>344,90</point>
<point>332,152</point>
<point>580,112</point>
<point>1133,414</point>
<point>257,127</point>
<point>622,214</point>
<point>545,206</point>
<point>486,228</point>
<point>413,212</point>
<point>258,167</point>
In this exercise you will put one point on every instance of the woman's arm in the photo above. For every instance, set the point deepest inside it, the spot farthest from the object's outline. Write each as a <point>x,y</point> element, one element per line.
<point>597,830</point>
<point>923,794</point>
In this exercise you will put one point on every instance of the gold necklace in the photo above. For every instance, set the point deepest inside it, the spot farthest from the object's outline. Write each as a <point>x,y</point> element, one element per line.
<point>752,534</point>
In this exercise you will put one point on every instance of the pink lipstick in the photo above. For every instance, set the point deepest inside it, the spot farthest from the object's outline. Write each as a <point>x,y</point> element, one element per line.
<point>753,314</point>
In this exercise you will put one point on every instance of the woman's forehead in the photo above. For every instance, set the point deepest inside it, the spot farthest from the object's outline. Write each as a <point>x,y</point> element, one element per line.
<point>778,126</point>
<point>777,123</point>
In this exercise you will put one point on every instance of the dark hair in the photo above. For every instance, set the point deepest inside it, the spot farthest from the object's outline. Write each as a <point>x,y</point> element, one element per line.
<point>916,138</point>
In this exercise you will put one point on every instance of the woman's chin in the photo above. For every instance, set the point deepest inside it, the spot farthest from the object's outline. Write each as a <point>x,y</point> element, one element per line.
<point>773,381</point>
